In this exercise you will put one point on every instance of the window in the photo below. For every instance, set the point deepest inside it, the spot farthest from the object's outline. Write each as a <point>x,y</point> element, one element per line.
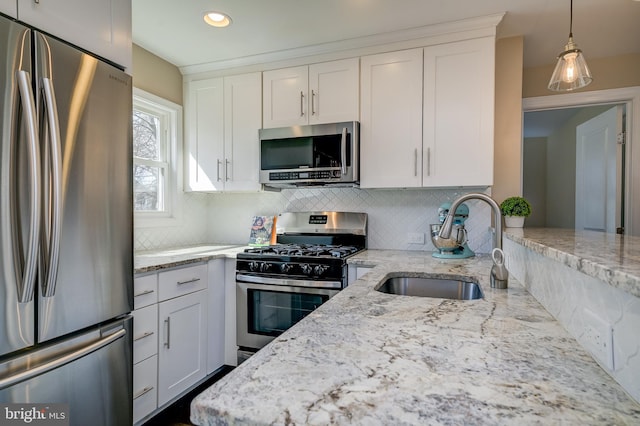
<point>156,145</point>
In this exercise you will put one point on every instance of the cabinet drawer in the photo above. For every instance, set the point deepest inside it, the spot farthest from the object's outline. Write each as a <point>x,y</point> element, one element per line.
<point>145,388</point>
<point>145,333</point>
<point>145,291</point>
<point>178,282</point>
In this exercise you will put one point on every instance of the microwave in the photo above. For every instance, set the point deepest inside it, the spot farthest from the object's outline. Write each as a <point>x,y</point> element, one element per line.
<point>313,155</point>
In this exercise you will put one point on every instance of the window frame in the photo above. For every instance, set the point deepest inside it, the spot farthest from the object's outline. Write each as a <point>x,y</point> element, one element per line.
<point>170,115</point>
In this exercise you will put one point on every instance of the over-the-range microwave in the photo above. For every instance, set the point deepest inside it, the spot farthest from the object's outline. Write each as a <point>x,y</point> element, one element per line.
<point>313,155</point>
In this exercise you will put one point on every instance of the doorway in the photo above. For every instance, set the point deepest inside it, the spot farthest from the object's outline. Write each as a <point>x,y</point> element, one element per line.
<point>563,190</point>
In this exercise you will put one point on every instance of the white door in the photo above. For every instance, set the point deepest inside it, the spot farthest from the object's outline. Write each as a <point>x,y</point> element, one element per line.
<point>205,134</point>
<point>391,120</point>
<point>334,91</point>
<point>182,356</point>
<point>599,172</point>
<point>242,119</point>
<point>285,97</point>
<point>99,26</point>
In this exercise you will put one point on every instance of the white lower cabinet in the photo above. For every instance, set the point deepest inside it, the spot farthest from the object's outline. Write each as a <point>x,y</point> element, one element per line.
<point>172,346</point>
<point>145,389</point>
<point>182,350</point>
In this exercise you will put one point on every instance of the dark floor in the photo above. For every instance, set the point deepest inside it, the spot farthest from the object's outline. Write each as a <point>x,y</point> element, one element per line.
<point>177,414</point>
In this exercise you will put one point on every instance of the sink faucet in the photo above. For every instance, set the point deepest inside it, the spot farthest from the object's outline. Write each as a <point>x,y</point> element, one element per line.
<point>499,273</point>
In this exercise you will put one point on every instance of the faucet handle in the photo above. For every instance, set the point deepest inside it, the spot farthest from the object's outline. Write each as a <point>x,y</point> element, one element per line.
<point>499,274</point>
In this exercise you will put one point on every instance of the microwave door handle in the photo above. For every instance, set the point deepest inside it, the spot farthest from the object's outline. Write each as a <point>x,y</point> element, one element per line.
<point>343,153</point>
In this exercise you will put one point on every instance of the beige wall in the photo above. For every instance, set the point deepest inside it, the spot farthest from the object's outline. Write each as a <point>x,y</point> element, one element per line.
<point>608,73</point>
<point>508,119</point>
<point>155,75</point>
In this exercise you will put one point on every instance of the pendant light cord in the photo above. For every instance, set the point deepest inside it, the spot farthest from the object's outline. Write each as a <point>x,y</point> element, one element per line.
<point>571,20</point>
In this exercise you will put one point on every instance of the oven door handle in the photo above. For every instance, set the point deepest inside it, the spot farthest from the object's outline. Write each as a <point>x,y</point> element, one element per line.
<point>288,282</point>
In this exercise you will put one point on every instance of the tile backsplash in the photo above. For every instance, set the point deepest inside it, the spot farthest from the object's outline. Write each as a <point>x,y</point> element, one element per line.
<point>226,217</point>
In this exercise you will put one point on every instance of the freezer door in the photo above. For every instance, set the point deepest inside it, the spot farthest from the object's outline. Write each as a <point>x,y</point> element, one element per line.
<point>86,268</point>
<point>90,374</point>
<point>19,189</point>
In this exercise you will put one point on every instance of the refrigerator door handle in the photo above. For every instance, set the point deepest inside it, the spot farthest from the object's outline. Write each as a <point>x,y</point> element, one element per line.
<point>60,361</point>
<point>27,273</point>
<point>53,192</point>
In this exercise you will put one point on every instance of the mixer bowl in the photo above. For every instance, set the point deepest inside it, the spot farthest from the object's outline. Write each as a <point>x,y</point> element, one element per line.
<point>458,237</point>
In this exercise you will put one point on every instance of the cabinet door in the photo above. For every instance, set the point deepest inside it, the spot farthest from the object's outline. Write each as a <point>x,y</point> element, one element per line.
<point>9,8</point>
<point>204,106</point>
<point>145,333</point>
<point>334,91</point>
<point>391,120</point>
<point>242,119</point>
<point>102,27</point>
<point>145,388</point>
<point>182,355</point>
<point>285,97</point>
<point>216,316</point>
<point>458,113</point>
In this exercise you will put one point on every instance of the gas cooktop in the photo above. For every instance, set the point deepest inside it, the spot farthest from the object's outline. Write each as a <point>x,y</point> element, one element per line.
<point>306,250</point>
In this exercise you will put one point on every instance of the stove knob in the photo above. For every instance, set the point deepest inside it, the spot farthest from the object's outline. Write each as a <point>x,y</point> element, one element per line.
<point>306,269</point>
<point>285,267</point>
<point>253,266</point>
<point>318,270</point>
<point>264,267</point>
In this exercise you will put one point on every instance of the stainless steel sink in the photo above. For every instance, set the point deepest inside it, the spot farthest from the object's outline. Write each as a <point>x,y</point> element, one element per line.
<point>445,288</point>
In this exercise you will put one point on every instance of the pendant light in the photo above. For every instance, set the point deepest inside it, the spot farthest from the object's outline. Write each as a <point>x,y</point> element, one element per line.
<point>571,71</point>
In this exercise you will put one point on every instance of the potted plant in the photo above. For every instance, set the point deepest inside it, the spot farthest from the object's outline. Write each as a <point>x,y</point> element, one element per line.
<point>514,210</point>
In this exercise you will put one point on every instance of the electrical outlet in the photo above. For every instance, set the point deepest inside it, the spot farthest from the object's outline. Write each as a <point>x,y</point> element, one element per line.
<point>598,338</point>
<point>415,238</point>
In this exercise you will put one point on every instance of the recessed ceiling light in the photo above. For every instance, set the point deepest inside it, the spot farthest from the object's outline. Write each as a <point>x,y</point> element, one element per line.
<point>217,19</point>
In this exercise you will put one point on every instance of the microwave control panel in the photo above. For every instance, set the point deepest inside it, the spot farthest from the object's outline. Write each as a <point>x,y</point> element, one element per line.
<point>316,174</point>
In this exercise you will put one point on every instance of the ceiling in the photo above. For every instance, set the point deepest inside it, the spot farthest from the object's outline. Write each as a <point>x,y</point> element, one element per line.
<point>175,30</point>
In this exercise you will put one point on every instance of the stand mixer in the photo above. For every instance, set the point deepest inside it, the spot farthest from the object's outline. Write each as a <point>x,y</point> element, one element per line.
<point>456,246</point>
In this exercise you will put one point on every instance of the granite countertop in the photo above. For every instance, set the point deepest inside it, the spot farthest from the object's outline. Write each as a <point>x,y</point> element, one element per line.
<point>367,357</point>
<point>611,258</point>
<point>148,261</point>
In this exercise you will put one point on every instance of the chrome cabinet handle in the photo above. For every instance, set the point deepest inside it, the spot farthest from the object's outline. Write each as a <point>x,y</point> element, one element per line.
<point>301,104</point>
<point>218,170</point>
<point>428,161</point>
<point>142,392</point>
<point>145,334</point>
<point>26,273</point>
<point>415,162</point>
<point>227,166</point>
<point>53,192</point>
<point>143,293</point>
<point>192,280</point>
<point>168,342</point>
<point>313,100</point>
<point>343,151</point>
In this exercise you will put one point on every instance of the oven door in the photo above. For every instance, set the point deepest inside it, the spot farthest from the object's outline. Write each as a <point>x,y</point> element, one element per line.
<point>264,311</point>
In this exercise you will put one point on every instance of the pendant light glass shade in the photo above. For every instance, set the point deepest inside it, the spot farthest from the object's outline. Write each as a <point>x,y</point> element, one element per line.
<point>571,71</point>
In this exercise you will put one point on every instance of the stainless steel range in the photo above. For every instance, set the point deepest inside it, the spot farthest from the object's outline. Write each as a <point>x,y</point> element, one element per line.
<point>278,285</point>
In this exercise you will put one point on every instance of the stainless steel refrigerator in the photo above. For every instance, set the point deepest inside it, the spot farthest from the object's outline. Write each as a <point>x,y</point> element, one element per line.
<point>66,283</point>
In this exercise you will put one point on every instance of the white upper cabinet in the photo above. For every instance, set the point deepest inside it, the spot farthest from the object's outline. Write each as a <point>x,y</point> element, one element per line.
<point>223,118</point>
<point>102,27</point>
<point>334,91</point>
<point>459,113</point>
<point>319,93</point>
<point>433,129</point>
<point>9,8</point>
<point>391,120</point>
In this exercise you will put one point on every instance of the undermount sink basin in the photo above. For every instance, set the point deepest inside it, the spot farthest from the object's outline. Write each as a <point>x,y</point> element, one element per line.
<point>444,288</point>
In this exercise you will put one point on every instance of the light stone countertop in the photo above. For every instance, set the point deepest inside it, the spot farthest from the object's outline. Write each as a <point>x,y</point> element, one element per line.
<point>611,258</point>
<point>367,357</point>
<point>149,261</point>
